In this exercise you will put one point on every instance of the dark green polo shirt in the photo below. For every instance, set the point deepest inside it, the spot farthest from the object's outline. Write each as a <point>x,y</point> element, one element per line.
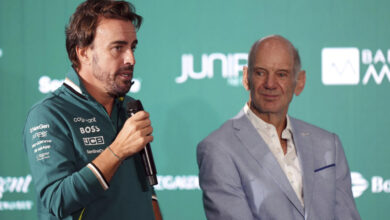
<point>63,134</point>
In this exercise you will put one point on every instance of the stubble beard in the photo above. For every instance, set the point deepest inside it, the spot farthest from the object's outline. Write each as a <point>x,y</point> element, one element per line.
<point>113,88</point>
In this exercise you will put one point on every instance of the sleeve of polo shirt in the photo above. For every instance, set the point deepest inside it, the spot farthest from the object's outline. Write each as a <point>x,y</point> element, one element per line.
<point>62,187</point>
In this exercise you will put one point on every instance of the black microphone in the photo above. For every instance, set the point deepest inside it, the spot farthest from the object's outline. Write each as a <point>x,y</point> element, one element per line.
<point>146,153</point>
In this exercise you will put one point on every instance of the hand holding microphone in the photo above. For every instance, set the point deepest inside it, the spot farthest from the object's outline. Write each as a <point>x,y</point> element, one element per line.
<point>135,136</point>
<point>146,153</point>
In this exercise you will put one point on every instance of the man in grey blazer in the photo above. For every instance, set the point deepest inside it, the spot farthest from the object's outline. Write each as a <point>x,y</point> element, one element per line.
<point>264,164</point>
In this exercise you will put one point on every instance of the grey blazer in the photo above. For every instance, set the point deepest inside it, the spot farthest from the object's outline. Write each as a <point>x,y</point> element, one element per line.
<point>241,179</point>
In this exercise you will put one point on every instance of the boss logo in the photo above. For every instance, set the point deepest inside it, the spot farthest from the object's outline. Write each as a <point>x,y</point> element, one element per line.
<point>91,141</point>
<point>89,129</point>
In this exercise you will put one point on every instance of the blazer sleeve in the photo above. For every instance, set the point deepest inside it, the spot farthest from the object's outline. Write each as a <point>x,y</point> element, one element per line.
<point>223,195</point>
<point>345,207</point>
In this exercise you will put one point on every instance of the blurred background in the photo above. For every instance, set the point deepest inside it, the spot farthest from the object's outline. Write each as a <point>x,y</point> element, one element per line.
<point>188,75</point>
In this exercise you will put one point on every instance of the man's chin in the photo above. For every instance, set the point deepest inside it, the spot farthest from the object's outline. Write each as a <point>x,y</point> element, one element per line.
<point>119,92</point>
<point>266,108</point>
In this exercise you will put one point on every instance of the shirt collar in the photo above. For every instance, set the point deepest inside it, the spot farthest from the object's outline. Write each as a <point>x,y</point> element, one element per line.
<point>73,80</point>
<point>287,132</point>
<point>264,126</point>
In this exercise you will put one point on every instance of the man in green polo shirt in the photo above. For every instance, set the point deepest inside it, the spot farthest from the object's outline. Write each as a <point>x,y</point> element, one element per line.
<point>82,149</point>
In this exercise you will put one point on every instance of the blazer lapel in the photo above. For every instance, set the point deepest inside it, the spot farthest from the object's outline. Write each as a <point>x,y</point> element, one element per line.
<point>303,144</point>
<point>256,146</point>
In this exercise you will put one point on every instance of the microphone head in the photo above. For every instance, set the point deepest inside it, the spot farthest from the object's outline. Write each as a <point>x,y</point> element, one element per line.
<point>134,107</point>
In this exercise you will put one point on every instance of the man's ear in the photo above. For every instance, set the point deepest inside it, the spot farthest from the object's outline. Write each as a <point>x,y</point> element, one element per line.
<point>84,55</point>
<point>301,80</point>
<point>245,82</point>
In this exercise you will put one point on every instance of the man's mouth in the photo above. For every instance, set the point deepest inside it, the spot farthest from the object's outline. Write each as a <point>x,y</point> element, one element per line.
<point>127,76</point>
<point>126,73</point>
<point>270,96</point>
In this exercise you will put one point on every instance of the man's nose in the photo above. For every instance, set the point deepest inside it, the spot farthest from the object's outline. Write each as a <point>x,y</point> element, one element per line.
<point>270,81</point>
<point>129,57</point>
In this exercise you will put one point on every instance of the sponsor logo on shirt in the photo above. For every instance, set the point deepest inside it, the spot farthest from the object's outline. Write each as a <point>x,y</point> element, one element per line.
<point>42,156</point>
<point>39,127</point>
<point>95,151</point>
<point>41,142</point>
<point>92,141</point>
<point>40,134</point>
<point>89,129</point>
<point>83,120</point>
<point>41,147</point>
<point>44,147</point>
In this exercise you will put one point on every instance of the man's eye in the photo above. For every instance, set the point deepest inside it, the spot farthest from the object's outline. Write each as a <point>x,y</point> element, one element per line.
<point>133,48</point>
<point>282,74</point>
<point>117,49</point>
<point>259,73</point>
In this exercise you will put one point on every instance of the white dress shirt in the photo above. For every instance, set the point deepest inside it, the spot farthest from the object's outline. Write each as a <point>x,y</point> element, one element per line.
<point>289,162</point>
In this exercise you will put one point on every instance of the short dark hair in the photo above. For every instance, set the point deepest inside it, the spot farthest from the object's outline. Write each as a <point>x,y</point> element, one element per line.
<point>82,26</point>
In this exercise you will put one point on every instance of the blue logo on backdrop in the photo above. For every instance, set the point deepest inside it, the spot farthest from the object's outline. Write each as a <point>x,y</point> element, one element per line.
<point>1,53</point>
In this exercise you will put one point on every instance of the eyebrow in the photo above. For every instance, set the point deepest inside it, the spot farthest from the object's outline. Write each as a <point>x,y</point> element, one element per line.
<point>122,42</point>
<point>262,68</point>
<point>257,67</point>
